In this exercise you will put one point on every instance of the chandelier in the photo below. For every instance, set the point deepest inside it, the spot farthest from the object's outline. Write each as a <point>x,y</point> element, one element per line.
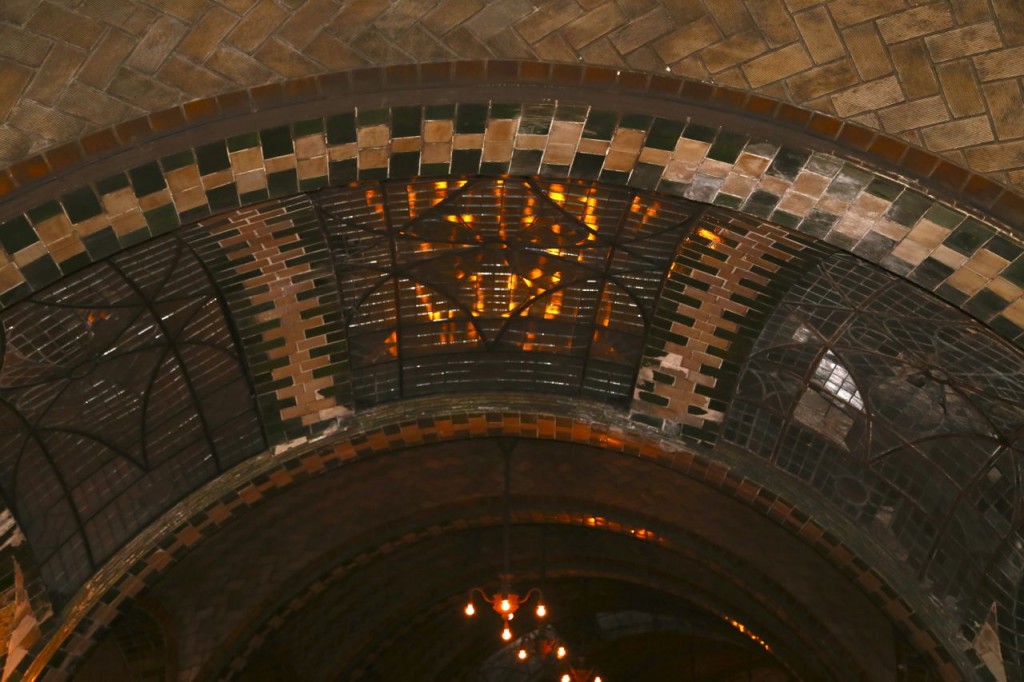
<point>580,672</point>
<point>505,601</point>
<point>542,643</point>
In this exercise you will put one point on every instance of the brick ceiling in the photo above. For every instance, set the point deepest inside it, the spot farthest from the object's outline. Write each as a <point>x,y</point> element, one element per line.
<point>944,75</point>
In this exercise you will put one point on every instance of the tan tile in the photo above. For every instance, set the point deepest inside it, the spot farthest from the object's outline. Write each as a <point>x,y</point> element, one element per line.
<point>628,140</point>
<point>468,141</point>
<point>752,165</point>
<point>967,281</point>
<point>892,230</point>
<point>189,198</point>
<point>810,184</point>
<point>690,151</point>
<point>374,158</point>
<point>797,204</point>
<point>559,154</point>
<point>53,229</point>
<point>437,131</point>
<point>311,168</point>
<point>948,256</point>
<point>246,159</point>
<point>373,136</point>
<point>1005,289</point>
<point>280,163</point>
<point>911,252</point>
<point>343,151</point>
<point>927,233</point>
<point>308,146</point>
<point>679,171</point>
<point>739,185</point>
<point>181,179</point>
<point>566,132</point>
<point>438,152</point>
<point>595,147</point>
<point>218,179</point>
<point>987,263</point>
<point>500,150</point>
<point>120,201</point>
<point>531,141</point>
<point>620,160</point>
<point>155,200</point>
<point>502,129</point>
<point>406,144</point>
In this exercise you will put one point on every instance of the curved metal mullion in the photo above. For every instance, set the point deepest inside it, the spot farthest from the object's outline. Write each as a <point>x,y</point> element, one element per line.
<point>516,312</point>
<point>106,306</point>
<point>947,519</point>
<point>544,196</point>
<point>396,289</point>
<point>61,480</point>
<point>184,369</point>
<point>145,403</point>
<point>236,338</point>
<point>93,437</point>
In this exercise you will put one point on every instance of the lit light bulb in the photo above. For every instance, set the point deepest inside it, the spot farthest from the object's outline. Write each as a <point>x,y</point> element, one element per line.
<point>541,610</point>
<point>470,609</point>
<point>561,652</point>
<point>522,654</point>
<point>566,678</point>
<point>505,605</point>
<point>597,679</point>
<point>506,634</point>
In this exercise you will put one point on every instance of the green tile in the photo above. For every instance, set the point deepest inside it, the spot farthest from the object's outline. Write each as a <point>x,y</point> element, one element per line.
<point>82,204</point>
<point>371,117</point>
<point>505,111</point>
<point>727,147</point>
<point>147,179</point>
<point>44,212</point>
<point>574,113</point>
<point>695,131</point>
<point>440,112</point>
<point>212,158</point>
<point>600,125</point>
<point>16,234</point>
<point>635,121</point>
<point>406,121</point>
<point>112,184</point>
<point>276,142</point>
<point>176,161</point>
<point>664,134</point>
<point>310,126</point>
<point>969,237</point>
<point>940,215</point>
<point>237,143</point>
<point>341,129</point>
<point>471,118</point>
<point>884,188</point>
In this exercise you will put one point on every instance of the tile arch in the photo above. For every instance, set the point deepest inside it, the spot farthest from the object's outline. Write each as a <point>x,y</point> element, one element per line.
<point>400,426</point>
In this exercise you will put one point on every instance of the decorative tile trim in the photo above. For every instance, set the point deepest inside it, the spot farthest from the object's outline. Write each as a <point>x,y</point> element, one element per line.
<point>151,554</point>
<point>950,232</point>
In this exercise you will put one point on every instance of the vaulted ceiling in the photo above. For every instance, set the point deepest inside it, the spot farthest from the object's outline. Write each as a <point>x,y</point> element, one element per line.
<point>736,289</point>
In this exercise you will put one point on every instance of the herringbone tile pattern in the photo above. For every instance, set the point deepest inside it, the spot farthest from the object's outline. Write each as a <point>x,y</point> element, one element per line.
<point>945,75</point>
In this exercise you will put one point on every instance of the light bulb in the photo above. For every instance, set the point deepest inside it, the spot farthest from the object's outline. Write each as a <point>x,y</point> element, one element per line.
<point>541,610</point>
<point>470,609</point>
<point>506,634</point>
<point>597,679</point>
<point>561,652</point>
<point>566,678</point>
<point>522,654</point>
<point>505,606</point>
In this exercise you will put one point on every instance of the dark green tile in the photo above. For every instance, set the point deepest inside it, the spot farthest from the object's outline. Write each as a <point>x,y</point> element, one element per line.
<point>1004,248</point>
<point>223,198</point>
<point>162,219</point>
<point>635,121</point>
<point>44,212</point>
<point>254,196</point>
<point>940,215</point>
<point>908,208</point>
<point>40,272</point>
<point>788,163</point>
<point>131,239</point>
<point>212,158</point>
<point>575,113</point>
<point>969,237</point>
<point>310,126</point>
<point>645,175</point>
<point>761,203</point>
<point>884,188</point>
<point>695,131</point>
<point>985,304</point>
<point>874,246</point>
<point>664,134</point>
<point>536,119</point>
<point>102,243</point>
<point>466,161</point>
<point>947,292</point>
<point>600,125</point>
<point>614,177</point>
<point>818,223</point>
<point>343,172</point>
<point>112,184</point>
<point>406,121</point>
<point>785,219</point>
<point>237,143</point>
<point>176,161</point>
<point>727,147</point>
<point>434,169</point>
<point>405,164</point>
<point>493,168</point>
<point>586,166</point>
<point>930,273</point>
<point>373,174</point>
<point>505,111</point>
<point>282,182</point>
<point>371,117</point>
<point>16,234</point>
<point>147,179</point>
<point>525,161</point>
<point>848,183</point>
<point>470,118</point>
<point>77,262</point>
<point>728,200</point>
<point>276,142</point>
<point>341,129</point>
<point>440,112</point>
<point>82,204</point>
<point>311,184</point>
<point>1015,271</point>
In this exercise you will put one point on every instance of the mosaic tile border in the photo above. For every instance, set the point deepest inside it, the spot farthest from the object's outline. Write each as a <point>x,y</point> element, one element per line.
<point>89,616</point>
<point>919,229</point>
